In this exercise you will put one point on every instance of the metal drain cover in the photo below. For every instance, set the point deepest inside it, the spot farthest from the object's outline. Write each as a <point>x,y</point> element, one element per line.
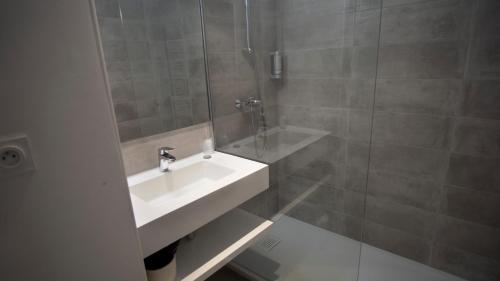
<point>268,243</point>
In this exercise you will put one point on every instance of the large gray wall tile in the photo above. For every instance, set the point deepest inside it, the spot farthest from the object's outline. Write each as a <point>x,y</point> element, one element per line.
<point>366,26</point>
<point>303,31</point>
<point>115,51</point>
<point>176,48</point>
<point>360,122</point>
<point>404,190</point>
<point>291,187</point>
<point>441,20</point>
<point>132,9</point>
<point>325,63</point>
<point>151,125</point>
<point>389,3</point>
<point>219,8</point>
<point>355,178</point>
<point>465,264</point>
<point>235,128</point>
<point>125,110</point>
<point>362,62</point>
<point>147,108</point>
<point>360,93</point>
<point>410,161</point>
<point>429,96</point>
<point>111,29</point>
<point>477,137</point>
<point>330,220</point>
<point>484,59</point>
<point>412,129</point>
<point>486,24</point>
<point>482,99</point>
<point>107,8</point>
<point>122,90</point>
<point>220,36</point>
<point>474,172</point>
<point>155,31</point>
<point>129,130</point>
<point>142,51</point>
<point>135,30</point>
<point>367,4</point>
<point>142,70</point>
<point>313,92</point>
<point>475,206</point>
<point>331,120</point>
<point>315,7</point>
<point>357,165</point>
<point>357,153</point>
<point>119,71</point>
<point>422,60</point>
<point>475,238</point>
<point>398,242</point>
<point>146,89</point>
<point>326,197</point>
<point>404,218</point>
<point>221,65</point>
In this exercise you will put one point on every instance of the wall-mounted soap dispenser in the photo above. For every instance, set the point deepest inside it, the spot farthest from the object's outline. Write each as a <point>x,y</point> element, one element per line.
<point>276,65</point>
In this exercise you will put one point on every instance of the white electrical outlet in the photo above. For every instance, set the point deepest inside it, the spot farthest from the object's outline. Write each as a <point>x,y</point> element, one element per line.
<point>15,156</point>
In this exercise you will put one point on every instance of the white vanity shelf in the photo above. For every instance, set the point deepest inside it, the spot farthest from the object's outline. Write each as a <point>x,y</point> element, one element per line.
<point>217,243</point>
<point>200,195</point>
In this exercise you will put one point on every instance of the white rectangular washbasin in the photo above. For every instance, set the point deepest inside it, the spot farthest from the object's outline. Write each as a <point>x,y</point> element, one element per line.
<point>172,186</point>
<point>170,205</point>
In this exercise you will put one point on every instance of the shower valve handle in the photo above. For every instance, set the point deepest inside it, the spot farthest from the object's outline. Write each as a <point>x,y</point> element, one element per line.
<point>251,102</point>
<point>238,104</point>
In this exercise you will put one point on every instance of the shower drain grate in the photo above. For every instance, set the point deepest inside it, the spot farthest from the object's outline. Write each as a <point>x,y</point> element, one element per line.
<point>268,243</point>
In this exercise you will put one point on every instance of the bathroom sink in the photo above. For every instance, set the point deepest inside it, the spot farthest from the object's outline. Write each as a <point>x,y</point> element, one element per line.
<point>195,191</point>
<point>177,183</point>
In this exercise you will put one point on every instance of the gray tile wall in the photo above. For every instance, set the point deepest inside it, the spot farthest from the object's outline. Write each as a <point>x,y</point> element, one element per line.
<point>434,158</point>
<point>154,58</point>
<point>432,192</point>
<point>232,75</point>
<point>331,51</point>
<point>409,92</point>
<point>231,70</point>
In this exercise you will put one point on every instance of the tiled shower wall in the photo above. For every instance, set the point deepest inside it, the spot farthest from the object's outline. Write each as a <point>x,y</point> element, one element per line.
<point>331,51</point>
<point>232,74</point>
<point>154,57</point>
<point>433,186</point>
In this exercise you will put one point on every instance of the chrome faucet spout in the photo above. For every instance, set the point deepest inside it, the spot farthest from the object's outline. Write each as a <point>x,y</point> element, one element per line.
<point>165,158</point>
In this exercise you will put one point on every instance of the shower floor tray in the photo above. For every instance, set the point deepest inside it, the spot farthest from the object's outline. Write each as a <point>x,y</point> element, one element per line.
<point>308,253</point>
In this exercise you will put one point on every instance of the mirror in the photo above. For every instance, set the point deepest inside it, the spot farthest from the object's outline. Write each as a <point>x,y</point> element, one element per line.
<point>153,50</point>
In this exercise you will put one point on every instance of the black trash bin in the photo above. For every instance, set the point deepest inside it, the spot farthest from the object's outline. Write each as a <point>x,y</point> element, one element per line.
<point>161,266</point>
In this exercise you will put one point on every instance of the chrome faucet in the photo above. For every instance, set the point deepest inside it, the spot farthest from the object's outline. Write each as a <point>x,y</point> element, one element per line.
<point>248,102</point>
<point>165,158</point>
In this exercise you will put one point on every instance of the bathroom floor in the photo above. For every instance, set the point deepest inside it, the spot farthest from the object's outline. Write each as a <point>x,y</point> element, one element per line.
<point>296,251</point>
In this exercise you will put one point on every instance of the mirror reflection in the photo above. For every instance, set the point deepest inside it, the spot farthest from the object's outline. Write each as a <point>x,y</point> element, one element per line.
<point>153,52</point>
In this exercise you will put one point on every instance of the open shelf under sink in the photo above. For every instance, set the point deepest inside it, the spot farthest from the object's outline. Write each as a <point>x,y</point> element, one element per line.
<point>217,243</point>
